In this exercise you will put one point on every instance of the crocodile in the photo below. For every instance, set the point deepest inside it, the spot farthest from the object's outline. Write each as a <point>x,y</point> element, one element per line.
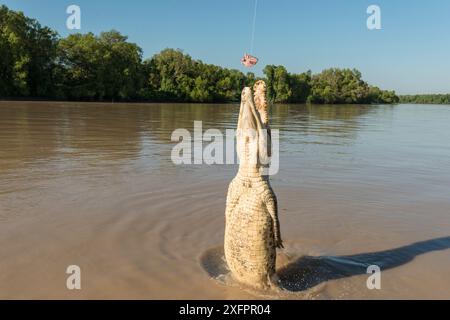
<point>252,229</point>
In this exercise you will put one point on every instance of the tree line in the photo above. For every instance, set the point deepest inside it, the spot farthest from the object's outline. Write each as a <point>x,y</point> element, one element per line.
<point>37,63</point>
<point>426,98</point>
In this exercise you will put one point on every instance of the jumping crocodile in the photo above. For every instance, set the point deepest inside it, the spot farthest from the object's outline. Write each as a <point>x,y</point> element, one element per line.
<point>252,229</point>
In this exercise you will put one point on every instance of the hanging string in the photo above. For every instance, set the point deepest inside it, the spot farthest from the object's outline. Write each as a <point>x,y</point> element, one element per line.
<point>254,27</point>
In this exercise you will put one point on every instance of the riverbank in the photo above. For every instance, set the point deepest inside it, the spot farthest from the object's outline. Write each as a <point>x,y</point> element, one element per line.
<point>141,102</point>
<point>402,101</point>
<point>426,98</point>
<point>108,67</point>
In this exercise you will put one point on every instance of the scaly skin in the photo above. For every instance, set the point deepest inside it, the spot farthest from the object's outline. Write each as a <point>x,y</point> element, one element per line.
<point>261,104</point>
<point>252,231</point>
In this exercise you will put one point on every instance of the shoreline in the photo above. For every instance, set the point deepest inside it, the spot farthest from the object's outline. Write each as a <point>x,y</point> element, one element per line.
<point>140,102</point>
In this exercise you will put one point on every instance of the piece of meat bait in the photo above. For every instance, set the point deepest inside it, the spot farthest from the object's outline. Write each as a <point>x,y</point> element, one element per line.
<point>249,61</point>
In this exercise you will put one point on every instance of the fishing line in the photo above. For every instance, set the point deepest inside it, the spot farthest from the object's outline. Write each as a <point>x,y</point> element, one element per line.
<point>248,60</point>
<point>254,27</point>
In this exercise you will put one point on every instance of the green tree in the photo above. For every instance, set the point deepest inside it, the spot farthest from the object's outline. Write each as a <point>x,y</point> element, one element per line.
<point>171,70</point>
<point>28,56</point>
<point>338,86</point>
<point>269,72</point>
<point>278,83</point>
<point>426,98</point>
<point>174,76</point>
<point>300,86</point>
<point>281,86</point>
<point>105,67</point>
<point>200,91</point>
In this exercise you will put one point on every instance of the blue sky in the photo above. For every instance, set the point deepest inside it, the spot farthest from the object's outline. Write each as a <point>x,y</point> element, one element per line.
<point>411,53</point>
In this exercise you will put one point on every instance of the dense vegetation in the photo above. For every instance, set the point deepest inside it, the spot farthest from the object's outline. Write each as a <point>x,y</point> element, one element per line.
<point>36,63</point>
<point>28,56</point>
<point>426,98</point>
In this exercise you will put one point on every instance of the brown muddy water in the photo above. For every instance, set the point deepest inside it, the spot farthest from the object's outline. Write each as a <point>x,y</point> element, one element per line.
<point>93,185</point>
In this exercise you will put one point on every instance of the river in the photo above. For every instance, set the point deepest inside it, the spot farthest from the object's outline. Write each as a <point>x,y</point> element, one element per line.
<point>93,185</point>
